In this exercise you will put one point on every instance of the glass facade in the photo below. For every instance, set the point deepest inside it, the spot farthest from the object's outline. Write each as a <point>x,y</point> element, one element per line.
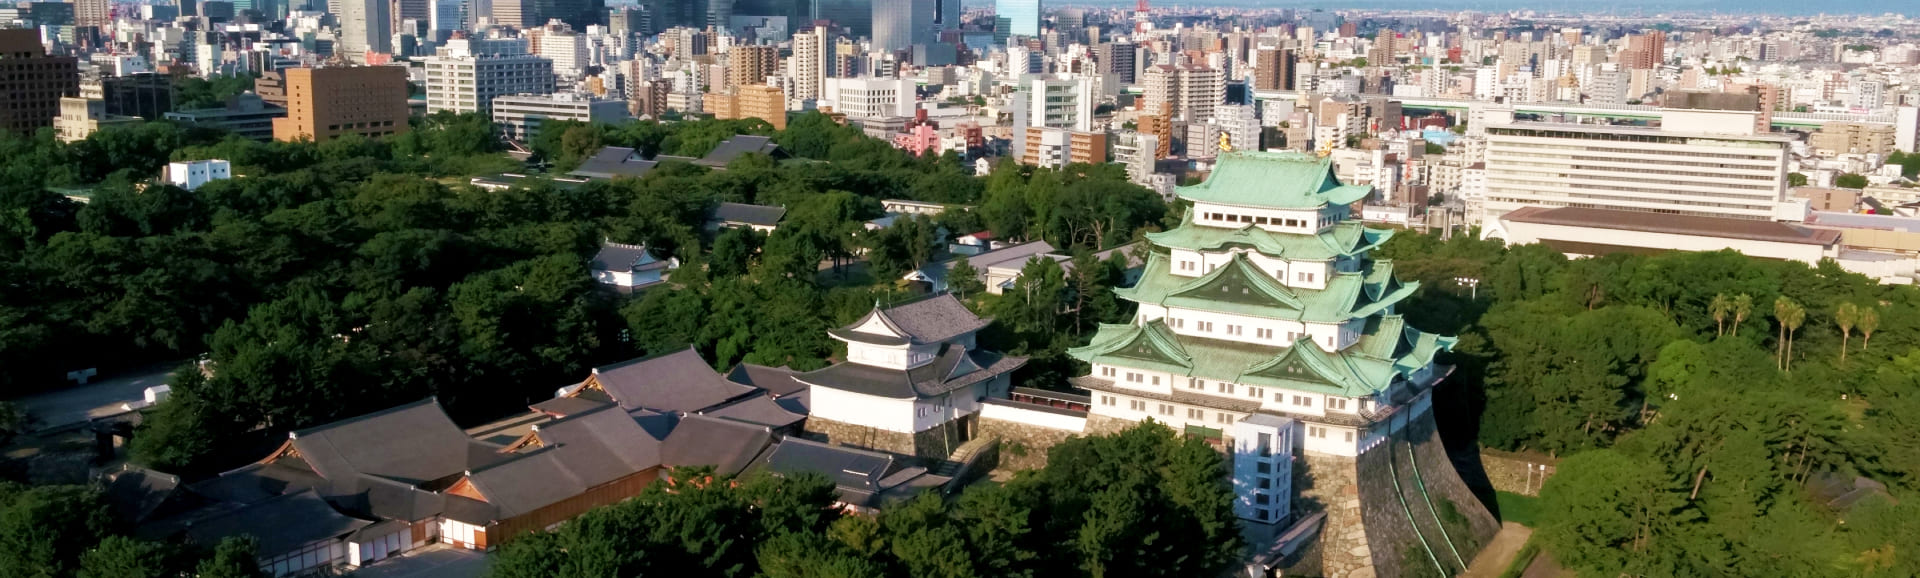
<point>1021,17</point>
<point>854,16</point>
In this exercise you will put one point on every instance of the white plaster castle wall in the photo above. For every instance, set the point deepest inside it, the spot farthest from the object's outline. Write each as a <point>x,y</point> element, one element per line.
<point>895,415</point>
<point>1034,418</point>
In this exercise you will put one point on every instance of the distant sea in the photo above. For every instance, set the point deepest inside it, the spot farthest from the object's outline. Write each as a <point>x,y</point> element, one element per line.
<point>1607,7</point>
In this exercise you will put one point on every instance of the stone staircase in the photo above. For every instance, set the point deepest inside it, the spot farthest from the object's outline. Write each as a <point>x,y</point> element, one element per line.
<point>963,457</point>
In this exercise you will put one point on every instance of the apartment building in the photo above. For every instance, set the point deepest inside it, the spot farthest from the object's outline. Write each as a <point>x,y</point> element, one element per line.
<point>1055,148</point>
<point>81,117</point>
<point>324,103</point>
<point>469,75</point>
<point>1061,103</point>
<point>1700,162</point>
<point>759,101</point>
<point>520,116</point>
<point>1839,138</point>
<point>750,64</point>
<point>1188,92</point>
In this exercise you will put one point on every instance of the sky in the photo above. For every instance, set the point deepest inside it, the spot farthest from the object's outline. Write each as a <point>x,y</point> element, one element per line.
<point>1628,7</point>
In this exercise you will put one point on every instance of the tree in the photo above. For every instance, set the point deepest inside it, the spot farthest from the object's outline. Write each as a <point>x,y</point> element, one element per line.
<point>1719,308</point>
<point>45,530</point>
<point>1869,321</point>
<point>963,279</point>
<point>1796,180</point>
<point>1850,181</point>
<point>734,251</point>
<point>123,557</point>
<point>1742,308</point>
<point>1846,316</point>
<point>233,557</point>
<point>1789,315</point>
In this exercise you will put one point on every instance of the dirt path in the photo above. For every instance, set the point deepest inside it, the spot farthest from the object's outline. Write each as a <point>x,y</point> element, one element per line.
<point>1495,558</point>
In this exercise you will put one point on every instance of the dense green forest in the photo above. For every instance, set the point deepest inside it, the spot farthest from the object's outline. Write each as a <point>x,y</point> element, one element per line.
<point>329,280</point>
<point>1142,502</point>
<point>1695,397</point>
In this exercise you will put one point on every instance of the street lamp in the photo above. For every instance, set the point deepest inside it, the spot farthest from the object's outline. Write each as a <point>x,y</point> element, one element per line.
<point>1472,284</point>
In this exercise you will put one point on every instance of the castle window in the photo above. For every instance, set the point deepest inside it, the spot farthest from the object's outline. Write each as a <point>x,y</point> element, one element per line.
<point>1256,392</point>
<point>1137,405</point>
<point>1156,380</point>
<point>1106,400</point>
<point>1166,409</point>
<point>1196,414</point>
<point>1106,372</point>
<point>1224,417</point>
<point>1349,437</point>
<point>1226,388</point>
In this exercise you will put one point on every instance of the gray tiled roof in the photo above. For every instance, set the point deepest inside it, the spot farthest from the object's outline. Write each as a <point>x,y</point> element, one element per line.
<point>956,367</point>
<point>613,162</point>
<point>761,409</point>
<point>602,445</point>
<point>750,214</point>
<point>624,258</point>
<point>856,473</point>
<point>928,320</point>
<point>738,145</point>
<point>679,381</point>
<point>776,380</point>
<point>280,524</point>
<point>725,444</point>
<point>527,482</point>
<point>414,443</point>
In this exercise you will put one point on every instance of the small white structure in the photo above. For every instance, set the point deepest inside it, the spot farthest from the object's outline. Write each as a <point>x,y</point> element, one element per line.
<point>190,175</point>
<point>630,266</point>
<point>1263,468</point>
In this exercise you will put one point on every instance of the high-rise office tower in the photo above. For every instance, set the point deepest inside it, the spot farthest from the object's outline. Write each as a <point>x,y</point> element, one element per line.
<point>366,26</point>
<point>1020,17</point>
<point>33,82</point>
<point>1120,60</point>
<point>900,24</point>
<point>409,10</point>
<point>853,16</point>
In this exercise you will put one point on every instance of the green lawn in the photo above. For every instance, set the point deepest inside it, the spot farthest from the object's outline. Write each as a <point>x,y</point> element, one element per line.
<point>1523,510</point>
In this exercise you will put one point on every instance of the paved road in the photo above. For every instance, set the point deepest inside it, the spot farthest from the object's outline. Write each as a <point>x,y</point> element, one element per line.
<point>431,561</point>
<point>78,403</point>
<point>1495,558</point>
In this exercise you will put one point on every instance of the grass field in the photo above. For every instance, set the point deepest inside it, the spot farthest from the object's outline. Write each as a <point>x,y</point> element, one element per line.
<point>1523,510</point>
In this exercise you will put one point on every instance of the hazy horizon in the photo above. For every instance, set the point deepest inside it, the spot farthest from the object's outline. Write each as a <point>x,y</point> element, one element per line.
<point>1615,7</point>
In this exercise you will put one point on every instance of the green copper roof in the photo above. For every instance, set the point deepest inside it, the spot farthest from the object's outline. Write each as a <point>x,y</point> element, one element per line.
<point>1387,350</point>
<point>1243,289</point>
<point>1343,239</point>
<point>1273,181</point>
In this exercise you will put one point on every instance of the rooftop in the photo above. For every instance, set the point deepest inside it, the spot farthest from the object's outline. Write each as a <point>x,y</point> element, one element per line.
<point>1674,224</point>
<point>1273,180</point>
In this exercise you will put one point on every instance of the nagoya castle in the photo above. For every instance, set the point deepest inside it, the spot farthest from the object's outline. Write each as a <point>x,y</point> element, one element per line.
<point>1264,327</point>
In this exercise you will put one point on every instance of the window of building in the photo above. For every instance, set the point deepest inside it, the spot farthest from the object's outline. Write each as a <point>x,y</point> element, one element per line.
<point>1179,323</point>
<point>1226,388</point>
<point>1263,333</point>
<point>1261,499</point>
<point>1107,400</point>
<point>1337,403</point>
<point>1206,326</point>
<point>1166,409</point>
<point>1196,414</point>
<point>1316,432</point>
<point>1156,380</point>
<point>1106,372</point>
<point>1349,437</point>
<point>1196,383</point>
<point>1233,330</point>
<point>1137,405</point>
<point>1262,468</point>
<point>1133,377</point>
<point>1224,417</point>
<point>1256,392</point>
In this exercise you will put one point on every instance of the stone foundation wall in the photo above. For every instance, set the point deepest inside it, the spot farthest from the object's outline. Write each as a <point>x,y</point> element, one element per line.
<point>1325,483</point>
<point>1410,532</point>
<point>1102,425</point>
<point>1023,446</point>
<point>939,442</point>
<point>859,436</point>
<point>1518,473</point>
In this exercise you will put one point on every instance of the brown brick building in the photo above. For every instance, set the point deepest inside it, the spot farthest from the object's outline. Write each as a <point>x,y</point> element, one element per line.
<point>31,82</point>
<point>759,101</point>
<point>323,103</point>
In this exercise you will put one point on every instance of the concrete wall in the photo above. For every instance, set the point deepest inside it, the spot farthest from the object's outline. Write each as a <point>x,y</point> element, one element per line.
<point>1517,473</point>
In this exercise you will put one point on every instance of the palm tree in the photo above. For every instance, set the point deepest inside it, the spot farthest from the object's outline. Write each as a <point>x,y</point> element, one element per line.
<point>1795,316</point>
<point>1780,306</point>
<point>1720,307</point>
<point>1742,307</point>
<point>1869,321</point>
<point>1845,317</point>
